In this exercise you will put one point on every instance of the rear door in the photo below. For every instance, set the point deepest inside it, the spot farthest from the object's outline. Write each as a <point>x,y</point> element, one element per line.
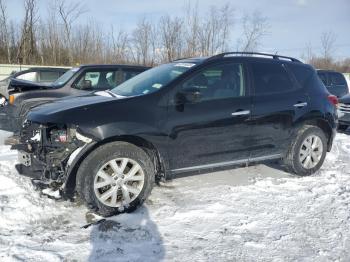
<point>277,101</point>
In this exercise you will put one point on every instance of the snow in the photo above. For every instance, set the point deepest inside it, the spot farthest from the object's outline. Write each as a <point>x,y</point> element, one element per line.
<point>243,214</point>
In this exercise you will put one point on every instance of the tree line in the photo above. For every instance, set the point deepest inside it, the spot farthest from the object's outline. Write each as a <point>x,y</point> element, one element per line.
<point>59,39</point>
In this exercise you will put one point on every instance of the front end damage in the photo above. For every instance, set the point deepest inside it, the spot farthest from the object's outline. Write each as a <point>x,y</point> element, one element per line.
<point>47,151</point>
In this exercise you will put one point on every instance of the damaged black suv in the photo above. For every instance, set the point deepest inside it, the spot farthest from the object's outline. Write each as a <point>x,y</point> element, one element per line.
<point>194,114</point>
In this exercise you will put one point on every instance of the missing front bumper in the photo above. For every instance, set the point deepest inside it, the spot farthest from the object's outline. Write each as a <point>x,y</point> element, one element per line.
<point>28,171</point>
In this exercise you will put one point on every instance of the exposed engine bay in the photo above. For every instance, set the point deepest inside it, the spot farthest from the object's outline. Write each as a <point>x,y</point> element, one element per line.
<point>46,151</point>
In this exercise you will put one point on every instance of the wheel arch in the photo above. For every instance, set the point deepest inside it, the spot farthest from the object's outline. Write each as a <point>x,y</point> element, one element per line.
<point>148,147</point>
<point>322,124</point>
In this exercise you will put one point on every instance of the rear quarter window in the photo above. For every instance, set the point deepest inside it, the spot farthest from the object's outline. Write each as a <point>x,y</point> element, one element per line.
<point>271,78</point>
<point>323,77</point>
<point>302,73</point>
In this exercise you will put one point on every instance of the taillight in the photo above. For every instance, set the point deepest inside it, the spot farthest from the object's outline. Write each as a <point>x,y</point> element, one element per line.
<point>333,99</point>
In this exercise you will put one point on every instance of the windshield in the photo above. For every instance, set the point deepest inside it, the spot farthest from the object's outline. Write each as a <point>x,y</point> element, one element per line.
<point>152,79</point>
<point>65,77</point>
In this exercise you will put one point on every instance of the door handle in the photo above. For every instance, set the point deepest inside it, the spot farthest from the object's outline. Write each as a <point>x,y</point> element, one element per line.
<point>301,104</point>
<point>241,113</point>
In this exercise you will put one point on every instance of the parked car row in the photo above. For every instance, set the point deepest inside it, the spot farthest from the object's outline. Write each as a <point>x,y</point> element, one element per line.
<point>337,85</point>
<point>34,75</point>
<point>25,95</point>
<point>108,147</point>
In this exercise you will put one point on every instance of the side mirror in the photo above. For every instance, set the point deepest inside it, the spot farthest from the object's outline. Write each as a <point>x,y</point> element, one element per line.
<point>86,84</point>
<point>188,96</point>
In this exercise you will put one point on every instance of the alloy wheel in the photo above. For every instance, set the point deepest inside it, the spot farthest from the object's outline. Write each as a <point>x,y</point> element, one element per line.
<point>311,151</point>
<point>119,182</point>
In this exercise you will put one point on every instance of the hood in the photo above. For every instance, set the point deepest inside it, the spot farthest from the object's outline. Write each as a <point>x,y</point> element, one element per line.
<point>345,99</point>
<point>23,85</point>
<point>74,109</point>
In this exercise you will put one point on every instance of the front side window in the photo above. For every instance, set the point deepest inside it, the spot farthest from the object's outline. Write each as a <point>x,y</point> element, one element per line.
<point>271,78</point>
<point>96,80</point>
<point>218,82</point>
<point>152,80</point>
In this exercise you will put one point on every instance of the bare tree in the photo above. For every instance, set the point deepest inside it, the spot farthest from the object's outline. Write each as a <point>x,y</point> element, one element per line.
<point>214,32</point>
<point>144,43</point>
<point>27,47</point>
<point>120,45</point>
<point>191,24</point>
<point>255,27</point>
<point>328,40</point>
<point>4,31</point>
<point>171,37</point>
<point>308,53</point>
<point>69,13</point>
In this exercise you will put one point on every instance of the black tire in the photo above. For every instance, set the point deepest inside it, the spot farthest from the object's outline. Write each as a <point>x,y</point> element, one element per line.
<point>96,159</point>
<point>342,127</point>
<point>292,162</point>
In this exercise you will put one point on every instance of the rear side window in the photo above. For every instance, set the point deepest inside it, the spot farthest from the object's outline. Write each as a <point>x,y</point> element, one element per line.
<point>271,78</point>
<point>30,76</point>
<point>48,76</point>
<point>301,73</point>
<point>323,77</point>
<point>337,79</point>
<point>96,80</point>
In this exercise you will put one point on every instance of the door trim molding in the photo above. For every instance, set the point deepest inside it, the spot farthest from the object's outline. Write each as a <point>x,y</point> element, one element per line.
<point>227,163</point>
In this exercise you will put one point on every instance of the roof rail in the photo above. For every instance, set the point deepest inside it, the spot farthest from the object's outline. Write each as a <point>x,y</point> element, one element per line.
<point>274,56</point>
<point>181,58</point>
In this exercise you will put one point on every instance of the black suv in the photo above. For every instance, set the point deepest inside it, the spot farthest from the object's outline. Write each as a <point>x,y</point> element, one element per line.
<point>334,81</point>
<point>24,95</point>
<point>189,115</point>
<point>344,112</point>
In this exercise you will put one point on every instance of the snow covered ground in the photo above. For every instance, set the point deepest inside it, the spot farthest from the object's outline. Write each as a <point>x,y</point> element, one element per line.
<point>257,213</point>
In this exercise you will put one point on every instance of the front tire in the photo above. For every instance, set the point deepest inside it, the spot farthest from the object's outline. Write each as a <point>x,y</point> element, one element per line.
<point>115,178</point>
<point>307,151</point>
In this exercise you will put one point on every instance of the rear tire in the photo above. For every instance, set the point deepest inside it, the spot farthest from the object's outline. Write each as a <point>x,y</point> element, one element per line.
<point>115,178</point>
<point>307,151</point>
<point>343,127</point>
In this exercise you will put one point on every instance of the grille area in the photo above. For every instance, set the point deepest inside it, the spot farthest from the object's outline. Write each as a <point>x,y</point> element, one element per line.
<point>344,107</point>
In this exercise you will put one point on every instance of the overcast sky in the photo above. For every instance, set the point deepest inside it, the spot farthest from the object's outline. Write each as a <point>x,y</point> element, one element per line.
<point>293,23</point>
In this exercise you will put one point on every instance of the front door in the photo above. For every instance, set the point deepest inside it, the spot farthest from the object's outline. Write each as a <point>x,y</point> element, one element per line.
<point>209,117</point>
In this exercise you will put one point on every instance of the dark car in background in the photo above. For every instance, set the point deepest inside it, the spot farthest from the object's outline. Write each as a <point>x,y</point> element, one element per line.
<point>185,116</point>
<point>344,112</point>
<point>334,81</point>
<point>23,96</point>
<point>34,75</point>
